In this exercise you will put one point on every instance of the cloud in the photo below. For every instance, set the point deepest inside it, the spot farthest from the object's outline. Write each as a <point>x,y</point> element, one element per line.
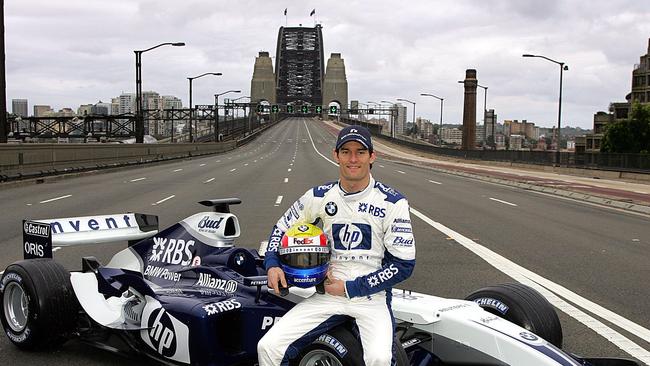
<point>66,53</point>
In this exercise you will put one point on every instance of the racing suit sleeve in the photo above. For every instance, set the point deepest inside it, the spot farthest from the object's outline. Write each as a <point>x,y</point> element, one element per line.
<point>399,255</point>
<point>298,212</point>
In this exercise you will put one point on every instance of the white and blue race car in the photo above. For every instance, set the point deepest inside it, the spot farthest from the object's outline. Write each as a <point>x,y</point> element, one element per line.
<point>187,295</point>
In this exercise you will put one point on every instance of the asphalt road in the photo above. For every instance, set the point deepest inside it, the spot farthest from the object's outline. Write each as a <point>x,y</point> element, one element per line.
<point>596,259</point>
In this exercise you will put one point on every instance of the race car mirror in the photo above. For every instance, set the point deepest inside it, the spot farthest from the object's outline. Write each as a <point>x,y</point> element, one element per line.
<point>37,240</point>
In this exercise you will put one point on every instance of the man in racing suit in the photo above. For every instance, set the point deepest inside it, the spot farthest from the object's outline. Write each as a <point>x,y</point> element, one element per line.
<point>373,248</point>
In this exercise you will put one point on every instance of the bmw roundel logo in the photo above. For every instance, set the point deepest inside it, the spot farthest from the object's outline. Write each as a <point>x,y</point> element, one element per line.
<point>528,336</point>
<point>330,208</point>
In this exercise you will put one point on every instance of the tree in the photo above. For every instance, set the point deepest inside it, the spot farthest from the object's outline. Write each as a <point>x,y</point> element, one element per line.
<point>631,135</point>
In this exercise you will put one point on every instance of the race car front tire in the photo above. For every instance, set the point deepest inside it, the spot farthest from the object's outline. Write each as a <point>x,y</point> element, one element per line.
<point>39,308</point>
<point>522,305</point>
<point>340,347</point>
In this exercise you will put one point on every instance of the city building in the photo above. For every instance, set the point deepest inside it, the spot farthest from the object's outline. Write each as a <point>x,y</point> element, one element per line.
<point>101,108</point>
<point>126,103</point>
<point>451,135</point>
<point>400,120</point>
<point>42,110</point>
<point>524,128</point>
<point>516,142</point>
<point>85,110</point>
<point>425,128</point>
<point>500,141</point>
<point>115,106</point>
<point>170,101</point>
<point>19,107</point>
<point>640,92</point>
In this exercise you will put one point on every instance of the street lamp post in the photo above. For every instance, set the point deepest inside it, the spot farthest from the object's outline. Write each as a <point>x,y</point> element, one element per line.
<point>237,109</point>
<point>191,110</point>
<point>139,117</point>
<point>563,68</point>
<point>442,100</point>
<point>408,101</point>
<point>216,112</point>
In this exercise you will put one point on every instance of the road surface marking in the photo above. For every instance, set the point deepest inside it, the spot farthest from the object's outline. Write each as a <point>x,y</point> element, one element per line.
<point>286,180</point>
<point>434,182</point>
<point>246,164</point>
<point>137,179</point>
<point>233,169</point>
<point>178,170</point>
<point>553,292</point>
<point>163,200</point>
<point>217,161</point>
<point>289,169</point>
<point>401,172</point>
<point>278,201</point>
<point>209,180</point>
<point>56,198</point>
<point>504,202</point>
<point>202,164</point>
<point>381,166</point>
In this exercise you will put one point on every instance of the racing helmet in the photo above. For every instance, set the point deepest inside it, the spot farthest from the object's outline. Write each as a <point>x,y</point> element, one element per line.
<point>304,255</point>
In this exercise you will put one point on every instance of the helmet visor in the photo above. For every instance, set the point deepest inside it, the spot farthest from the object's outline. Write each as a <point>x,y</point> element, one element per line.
<point>305,260</point>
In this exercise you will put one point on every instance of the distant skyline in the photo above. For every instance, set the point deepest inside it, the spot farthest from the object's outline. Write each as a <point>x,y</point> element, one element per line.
<point>74,52</point>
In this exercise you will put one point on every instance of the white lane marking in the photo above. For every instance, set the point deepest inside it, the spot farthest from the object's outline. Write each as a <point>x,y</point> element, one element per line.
<point>163,200</point>
<point>286,180</point>
<point>233,169</point>
<point>254,161</point>
<point>401,172</point>
<point>312,144</point>
<point>137,179</point>
<point>56,198</point>
<point>381,166</point>
<point>289,169</point>
<point>552,291</point>
<point>29,204</point>
<point>504,202</point>
<point>532,279</point>
<point>291,164</point>
<point>217,161</point>
<point>278,201</point>
<point>434,182</point>
<point>246,164</point>
<point>202,164</point>
<point>209,180</point>
<point>230,158</point>
<point>178,170</point>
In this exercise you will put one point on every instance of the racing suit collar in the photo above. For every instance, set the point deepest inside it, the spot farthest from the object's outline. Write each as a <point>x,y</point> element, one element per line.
<point>359,194</point>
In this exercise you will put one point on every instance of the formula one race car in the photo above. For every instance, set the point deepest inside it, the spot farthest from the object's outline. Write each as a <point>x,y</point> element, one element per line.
<point>186,295</point>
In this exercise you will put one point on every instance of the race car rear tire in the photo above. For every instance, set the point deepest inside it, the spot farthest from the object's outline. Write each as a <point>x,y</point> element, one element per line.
<point>39,308</point>
<point>522,305</point>
<point>326,350</point>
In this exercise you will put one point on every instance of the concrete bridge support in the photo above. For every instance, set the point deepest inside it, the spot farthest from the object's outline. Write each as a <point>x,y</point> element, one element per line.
<point>335,85</point>
<point>263,82</point>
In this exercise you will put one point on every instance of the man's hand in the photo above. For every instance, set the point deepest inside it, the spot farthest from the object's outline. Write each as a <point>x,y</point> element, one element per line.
<point>334,286</point>
<point>275,275</point>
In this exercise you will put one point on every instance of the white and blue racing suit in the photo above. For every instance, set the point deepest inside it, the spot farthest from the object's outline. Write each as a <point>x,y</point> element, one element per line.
<point>373,249</point>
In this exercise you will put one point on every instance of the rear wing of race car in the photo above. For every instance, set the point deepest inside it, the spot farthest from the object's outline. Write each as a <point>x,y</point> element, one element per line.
<point>39,236</point>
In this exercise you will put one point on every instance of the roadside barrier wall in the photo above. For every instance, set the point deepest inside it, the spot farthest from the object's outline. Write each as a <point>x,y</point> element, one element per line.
<point>21,161</point>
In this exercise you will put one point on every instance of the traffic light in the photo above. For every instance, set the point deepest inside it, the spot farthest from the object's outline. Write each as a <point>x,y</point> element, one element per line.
<point>275,108</point>
<point>319,109</point>
<point>289,109</point>
<point>305,109</point>
<point>334,109</point>
<point>260,108</point>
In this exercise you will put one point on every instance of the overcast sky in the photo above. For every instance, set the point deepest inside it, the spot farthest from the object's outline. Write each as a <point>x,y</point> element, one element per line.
<point>70,52</point>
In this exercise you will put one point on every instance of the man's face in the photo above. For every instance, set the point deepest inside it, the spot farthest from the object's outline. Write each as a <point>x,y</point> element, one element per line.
<point>354,162</point>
